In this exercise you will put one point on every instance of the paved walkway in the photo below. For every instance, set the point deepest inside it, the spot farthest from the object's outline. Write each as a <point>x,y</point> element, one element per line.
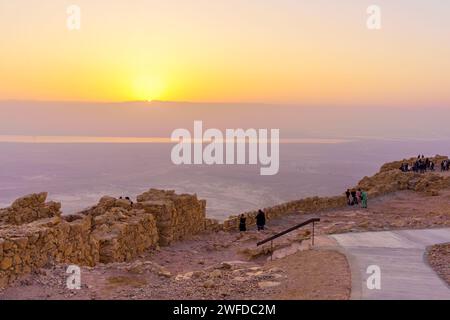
<point>405,273</point>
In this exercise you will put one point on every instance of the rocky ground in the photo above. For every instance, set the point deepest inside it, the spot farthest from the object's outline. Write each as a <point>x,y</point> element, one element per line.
<point>439,258</point>
<point>299,276</point>
<point>228,265</point>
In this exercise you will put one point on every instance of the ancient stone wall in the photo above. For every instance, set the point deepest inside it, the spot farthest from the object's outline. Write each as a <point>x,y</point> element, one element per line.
<point>34,233</point>
<point>213,225</point>
<point>28,209</point>
<point>307,205</point>
<point>177,216</point>
<point>34,245</point>
<point>122,231</point>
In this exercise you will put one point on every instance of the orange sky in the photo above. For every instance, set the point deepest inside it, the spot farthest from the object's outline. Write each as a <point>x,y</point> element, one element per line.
<point>309,52</point>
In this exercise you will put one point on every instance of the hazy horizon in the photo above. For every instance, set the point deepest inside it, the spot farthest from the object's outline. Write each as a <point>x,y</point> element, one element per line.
<point>78,175</point>
<point>159,119</point>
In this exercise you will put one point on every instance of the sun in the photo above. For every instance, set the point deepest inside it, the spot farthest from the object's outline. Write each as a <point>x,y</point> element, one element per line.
<point>148,88</point>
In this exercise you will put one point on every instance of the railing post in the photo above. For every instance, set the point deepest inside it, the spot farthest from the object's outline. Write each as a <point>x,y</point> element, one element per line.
<point>271,250</point>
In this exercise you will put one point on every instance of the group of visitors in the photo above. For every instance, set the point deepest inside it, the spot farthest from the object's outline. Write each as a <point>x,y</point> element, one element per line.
<point>260,221</point>
<point>422,164</point>
<point>356,197</point>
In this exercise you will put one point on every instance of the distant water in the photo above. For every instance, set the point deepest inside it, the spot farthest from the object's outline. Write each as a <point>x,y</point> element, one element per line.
<point>78,174</point>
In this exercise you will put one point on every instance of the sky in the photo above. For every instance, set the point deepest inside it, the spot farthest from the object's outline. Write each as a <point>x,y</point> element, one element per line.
<point>273,51</point>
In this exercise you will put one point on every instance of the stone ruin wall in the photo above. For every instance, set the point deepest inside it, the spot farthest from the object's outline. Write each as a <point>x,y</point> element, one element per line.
<point>29,209</point>
<point>177,216</point>
<point>34,233</point>
<point>303,206</point>
<point>39,239</point>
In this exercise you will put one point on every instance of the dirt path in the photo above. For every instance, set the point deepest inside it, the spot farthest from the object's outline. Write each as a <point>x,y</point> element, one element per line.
<point>399,257</point>
<point>314,274</point>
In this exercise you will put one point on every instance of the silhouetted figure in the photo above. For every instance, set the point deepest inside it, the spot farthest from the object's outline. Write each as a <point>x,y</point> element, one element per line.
<point>354,199</point>
<point>128,198</point>
<point>243,223</point>
<point>403,167</point>
<point>260,220</point>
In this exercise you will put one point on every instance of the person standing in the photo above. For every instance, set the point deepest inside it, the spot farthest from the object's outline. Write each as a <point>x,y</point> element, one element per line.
<point>260,220</point>
<point>354,198</point>
<point>131,202</point>
<point>358,196</point>
<point>364,199</point>
<point>347,193</point>
<point>243,223</point>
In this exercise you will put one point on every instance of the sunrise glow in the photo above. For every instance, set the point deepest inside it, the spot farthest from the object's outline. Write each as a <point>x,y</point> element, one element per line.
<point>304,52</point>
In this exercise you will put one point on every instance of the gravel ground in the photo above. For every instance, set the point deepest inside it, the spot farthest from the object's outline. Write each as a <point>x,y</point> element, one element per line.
<point>439,258</point>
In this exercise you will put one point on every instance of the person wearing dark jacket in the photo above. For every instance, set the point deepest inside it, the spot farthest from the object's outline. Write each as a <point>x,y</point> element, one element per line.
<point>243,223</point>
<point>260,220</point>
<point>354,198</point>
<point>128,198</point>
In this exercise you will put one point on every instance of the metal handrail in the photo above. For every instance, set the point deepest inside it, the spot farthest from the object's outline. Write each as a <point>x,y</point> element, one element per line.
<point>313,220</point>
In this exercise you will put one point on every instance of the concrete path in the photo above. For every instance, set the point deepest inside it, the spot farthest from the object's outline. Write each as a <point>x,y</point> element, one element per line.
<point>405,274</point>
